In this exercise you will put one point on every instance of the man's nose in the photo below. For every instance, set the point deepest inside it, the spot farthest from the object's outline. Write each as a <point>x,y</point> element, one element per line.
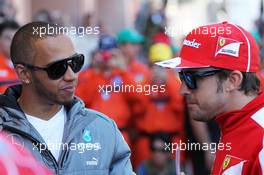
<point>70,75</point>
<point>184,90</point>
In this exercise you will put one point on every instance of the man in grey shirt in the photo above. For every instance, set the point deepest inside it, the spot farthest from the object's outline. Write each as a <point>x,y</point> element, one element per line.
<point>46,117</point>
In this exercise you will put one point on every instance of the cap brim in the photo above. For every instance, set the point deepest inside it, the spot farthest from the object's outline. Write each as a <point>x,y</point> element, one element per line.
<point>179,63</point>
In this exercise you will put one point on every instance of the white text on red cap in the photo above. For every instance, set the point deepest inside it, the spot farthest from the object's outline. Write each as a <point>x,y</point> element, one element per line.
<point>192,43</point>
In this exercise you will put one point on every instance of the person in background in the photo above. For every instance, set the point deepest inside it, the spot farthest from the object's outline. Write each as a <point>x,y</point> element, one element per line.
<point>98,84</point>
<point>7,11</point>
<point>160,161</point>
<point>129,42</point>
<point>7,72</point>
<point>164,108</point>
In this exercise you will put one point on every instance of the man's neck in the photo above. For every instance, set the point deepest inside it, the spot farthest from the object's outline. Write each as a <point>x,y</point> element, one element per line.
<point>37,108</point>
<point>237,103</point>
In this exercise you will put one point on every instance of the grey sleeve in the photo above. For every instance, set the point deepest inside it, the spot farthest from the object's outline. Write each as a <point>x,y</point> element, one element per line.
<point>121,160</point>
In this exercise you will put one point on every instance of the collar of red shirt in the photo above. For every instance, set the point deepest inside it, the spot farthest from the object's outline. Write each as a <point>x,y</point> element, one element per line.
<point>233,119</point>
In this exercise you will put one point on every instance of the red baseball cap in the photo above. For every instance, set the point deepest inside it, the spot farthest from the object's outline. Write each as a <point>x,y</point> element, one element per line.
<point>223,45</point>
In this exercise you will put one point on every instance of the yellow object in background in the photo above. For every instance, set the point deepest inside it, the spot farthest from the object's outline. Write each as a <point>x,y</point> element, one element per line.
<point>160,52</point>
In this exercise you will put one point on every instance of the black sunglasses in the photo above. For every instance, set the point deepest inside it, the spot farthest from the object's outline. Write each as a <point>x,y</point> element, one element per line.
<point>190,78</point>
<point>57,69</point>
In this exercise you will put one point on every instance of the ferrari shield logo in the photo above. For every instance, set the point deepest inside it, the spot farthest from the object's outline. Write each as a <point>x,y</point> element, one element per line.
<point>221,42</point>
<point>232,165</point>
<point>226,162</point>
<point>227,46</point>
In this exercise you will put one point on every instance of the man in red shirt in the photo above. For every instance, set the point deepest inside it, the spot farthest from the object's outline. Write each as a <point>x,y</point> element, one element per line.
<point>129,42</point>
<point>7,72</point>
<point>218,65</point>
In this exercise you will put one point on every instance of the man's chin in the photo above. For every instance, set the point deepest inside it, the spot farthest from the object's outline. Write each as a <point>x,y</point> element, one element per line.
<point>66,101</point>
<point>202,118</point>
<point>199,118</point>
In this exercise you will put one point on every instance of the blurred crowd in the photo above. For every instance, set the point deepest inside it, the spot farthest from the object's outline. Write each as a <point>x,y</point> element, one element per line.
<point>152,112</point>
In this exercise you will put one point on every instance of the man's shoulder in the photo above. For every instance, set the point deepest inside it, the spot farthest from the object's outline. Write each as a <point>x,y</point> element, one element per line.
<point>79,106</point>
<point>101,118</point>
<point>97,114</point>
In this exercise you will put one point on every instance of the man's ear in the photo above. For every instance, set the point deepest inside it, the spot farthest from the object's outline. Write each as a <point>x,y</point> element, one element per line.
<point>23,73</point>
<point>234,82</point>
